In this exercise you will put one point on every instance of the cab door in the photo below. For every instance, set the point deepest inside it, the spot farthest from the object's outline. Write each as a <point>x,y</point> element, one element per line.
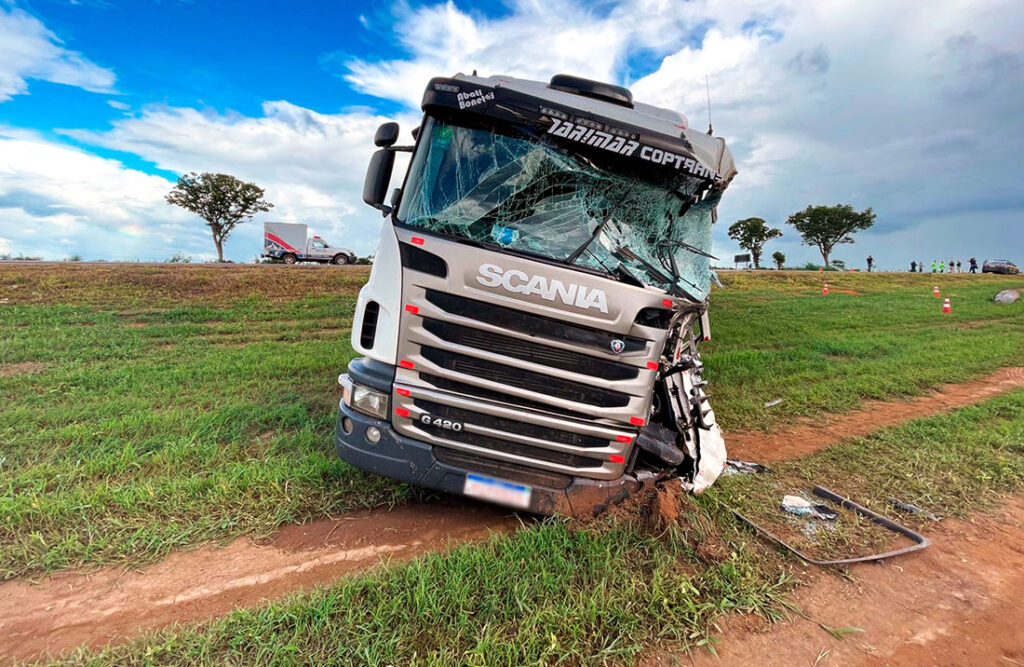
<point>318,249</point>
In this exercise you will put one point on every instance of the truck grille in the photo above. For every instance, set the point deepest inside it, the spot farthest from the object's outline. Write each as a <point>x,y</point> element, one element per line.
<point>515,448</point>
<point>518,377</point>
<point>510,425</point>
<point>535,325</point>
<point>531,392</point>
<point>527,351</point>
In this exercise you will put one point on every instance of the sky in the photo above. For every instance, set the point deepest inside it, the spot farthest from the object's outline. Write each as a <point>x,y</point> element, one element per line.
<point>912,108</point>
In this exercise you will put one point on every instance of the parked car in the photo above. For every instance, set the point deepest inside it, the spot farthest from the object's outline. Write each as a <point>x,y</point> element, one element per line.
<point>999,266</point>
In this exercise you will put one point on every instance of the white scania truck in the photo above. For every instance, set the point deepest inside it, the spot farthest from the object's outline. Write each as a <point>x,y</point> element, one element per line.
<point>529,332</point>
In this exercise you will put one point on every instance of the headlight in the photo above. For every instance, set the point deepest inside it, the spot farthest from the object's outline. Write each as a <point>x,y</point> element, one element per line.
<point>363,399</point>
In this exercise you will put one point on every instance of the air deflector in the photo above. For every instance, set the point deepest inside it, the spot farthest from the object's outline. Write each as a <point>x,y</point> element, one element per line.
<point>605,92</point>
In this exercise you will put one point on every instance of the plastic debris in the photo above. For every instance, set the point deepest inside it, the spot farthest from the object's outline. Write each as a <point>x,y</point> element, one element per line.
<point>914,509</point>
<point>772,403</point>
<point>738,467</point>
<point>1007,296</point>
<point>801,507</point>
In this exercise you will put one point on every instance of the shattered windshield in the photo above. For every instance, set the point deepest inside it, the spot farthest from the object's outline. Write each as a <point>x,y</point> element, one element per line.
<point>529,197</point>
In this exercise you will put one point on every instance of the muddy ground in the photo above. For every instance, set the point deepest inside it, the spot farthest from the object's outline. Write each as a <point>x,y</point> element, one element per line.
<point>71,609</point>
<point>810,436</point>
<point>956,603</point>
<point>953,595</point>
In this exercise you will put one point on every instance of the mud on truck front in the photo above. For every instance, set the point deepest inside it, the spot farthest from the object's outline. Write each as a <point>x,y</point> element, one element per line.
<point>529,331</point>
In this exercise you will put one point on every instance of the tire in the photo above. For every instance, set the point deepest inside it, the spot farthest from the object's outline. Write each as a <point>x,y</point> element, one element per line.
<point>289,258</point>
<point>340,259</point>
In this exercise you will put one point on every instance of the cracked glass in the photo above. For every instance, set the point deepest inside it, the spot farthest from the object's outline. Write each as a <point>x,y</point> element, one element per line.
<point>526,196</point>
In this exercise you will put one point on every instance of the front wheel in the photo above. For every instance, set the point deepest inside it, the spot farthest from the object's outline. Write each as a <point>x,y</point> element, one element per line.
<point>340,259</point>
<point>289,259</point>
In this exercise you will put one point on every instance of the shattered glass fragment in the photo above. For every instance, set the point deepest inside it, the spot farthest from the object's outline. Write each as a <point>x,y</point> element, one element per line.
<point>524,195</point>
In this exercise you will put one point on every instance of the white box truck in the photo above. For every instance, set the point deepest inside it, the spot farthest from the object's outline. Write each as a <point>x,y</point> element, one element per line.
<point>290,243</point>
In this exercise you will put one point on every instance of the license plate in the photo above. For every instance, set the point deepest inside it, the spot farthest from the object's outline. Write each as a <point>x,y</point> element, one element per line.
<point>497,491</point>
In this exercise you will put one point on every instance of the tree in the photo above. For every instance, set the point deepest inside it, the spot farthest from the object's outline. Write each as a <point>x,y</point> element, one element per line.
<point>779,259</point>
<point>752,234</point>
<point>838,265</point>
<point>828,226</point>
<point>222,200</point>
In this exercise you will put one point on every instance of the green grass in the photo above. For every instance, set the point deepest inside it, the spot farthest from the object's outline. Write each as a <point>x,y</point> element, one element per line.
<point>148,409</point>
<point>555,594</point>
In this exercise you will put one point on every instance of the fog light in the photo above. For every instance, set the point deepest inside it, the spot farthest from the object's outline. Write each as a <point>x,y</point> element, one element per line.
<point>373,435</point>
<point>346,425</point>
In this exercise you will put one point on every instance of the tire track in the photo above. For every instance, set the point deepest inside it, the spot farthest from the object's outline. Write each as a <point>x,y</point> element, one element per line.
<point>71,609</point>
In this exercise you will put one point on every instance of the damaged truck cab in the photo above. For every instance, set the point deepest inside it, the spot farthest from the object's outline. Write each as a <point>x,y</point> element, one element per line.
<point>529,330</point>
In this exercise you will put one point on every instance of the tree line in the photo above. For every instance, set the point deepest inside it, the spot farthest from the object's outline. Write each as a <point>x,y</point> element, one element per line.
<point>823,227</point>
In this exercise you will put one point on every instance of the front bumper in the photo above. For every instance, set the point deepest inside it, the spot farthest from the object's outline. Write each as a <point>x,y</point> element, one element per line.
<point>408,460</point>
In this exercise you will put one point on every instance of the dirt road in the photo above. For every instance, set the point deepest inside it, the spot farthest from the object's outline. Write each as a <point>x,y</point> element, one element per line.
<point>955,603</point>
<point>70,609</point>
<point>809,436</point>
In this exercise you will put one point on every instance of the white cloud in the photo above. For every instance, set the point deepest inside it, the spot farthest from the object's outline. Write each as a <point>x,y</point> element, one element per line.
<point>28,50</point>
<point>909,108</point>
<point>51,191</point>
<point>120,106</point>
<point>311,165</point>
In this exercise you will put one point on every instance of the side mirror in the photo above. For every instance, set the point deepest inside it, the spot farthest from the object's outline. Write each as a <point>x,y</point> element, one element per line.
<point>378,177</point>
<point>386,136</point>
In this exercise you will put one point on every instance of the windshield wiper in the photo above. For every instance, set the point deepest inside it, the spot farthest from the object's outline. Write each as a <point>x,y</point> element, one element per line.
<point>624,253</point>
<point>575,254</point>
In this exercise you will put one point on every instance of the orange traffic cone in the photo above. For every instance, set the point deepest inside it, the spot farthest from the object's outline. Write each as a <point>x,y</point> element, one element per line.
<point>947,307</point>
<point>935,292</point>
<point>824,290</point>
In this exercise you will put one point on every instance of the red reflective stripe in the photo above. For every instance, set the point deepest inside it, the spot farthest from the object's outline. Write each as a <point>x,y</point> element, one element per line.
<point>653,365</point>
<point>637,421</point>
<point>412,309</point>
<point>280,242</point>
<point>405,363</point>
<point>402,392</point>
<point>667,303</point>
<point>401,412</point>
<point>617,458</point>
<point>624,438</point>
<point>418,240</point>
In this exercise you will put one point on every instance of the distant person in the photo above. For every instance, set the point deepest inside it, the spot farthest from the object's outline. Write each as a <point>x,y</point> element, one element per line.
<point>959,266</point>
<point>942,267</point>
<point>935,266</point>
<point>871,263</point>
<point>913,266</point>
<point>974,265</point>
<point>952,265</point>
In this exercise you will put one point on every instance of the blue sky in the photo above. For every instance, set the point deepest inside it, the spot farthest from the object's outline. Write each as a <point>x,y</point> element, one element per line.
<point>910,108</point>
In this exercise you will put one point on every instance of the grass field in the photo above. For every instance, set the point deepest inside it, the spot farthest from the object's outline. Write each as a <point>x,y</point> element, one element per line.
<point>152,408</point>
<point>555,594</point>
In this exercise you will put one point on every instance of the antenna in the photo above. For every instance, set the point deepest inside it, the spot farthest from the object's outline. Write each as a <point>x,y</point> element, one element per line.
<point>707,87</point>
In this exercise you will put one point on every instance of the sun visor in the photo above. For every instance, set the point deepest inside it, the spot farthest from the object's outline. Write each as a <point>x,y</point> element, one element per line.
<point>612,136</point>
